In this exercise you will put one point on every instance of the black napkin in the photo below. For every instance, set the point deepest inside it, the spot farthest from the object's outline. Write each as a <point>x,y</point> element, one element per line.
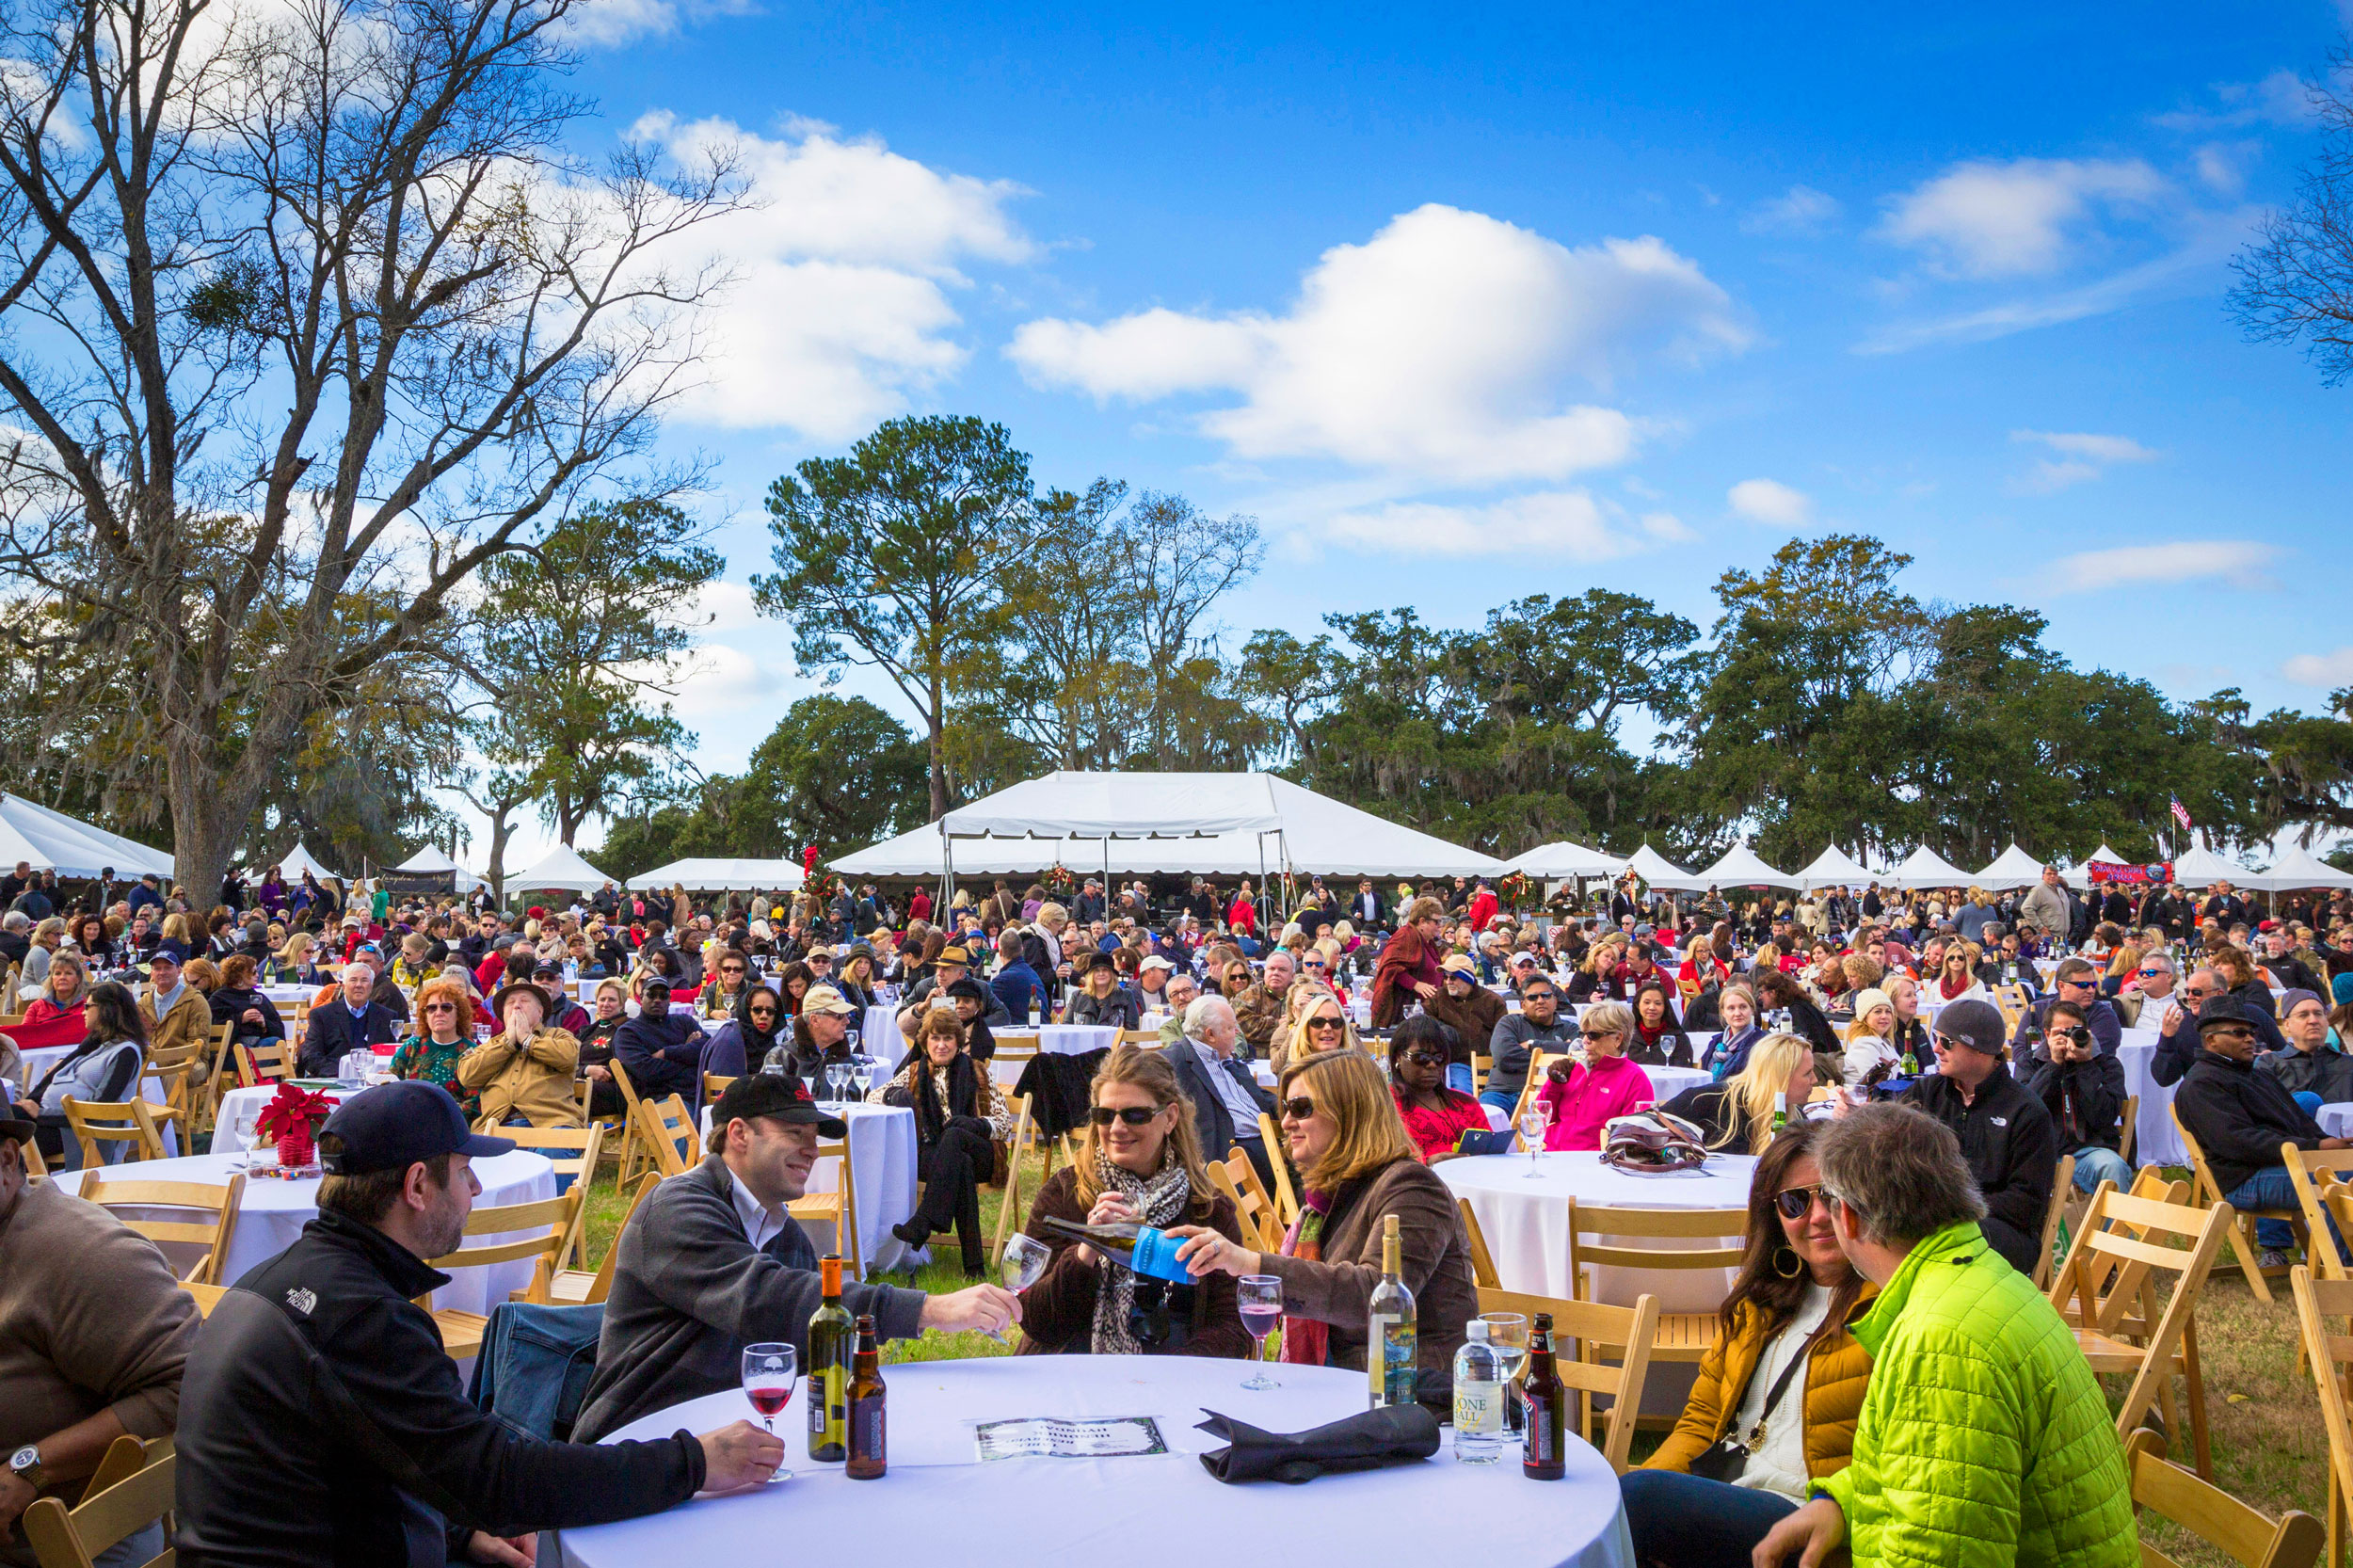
<point>1390,1435</point>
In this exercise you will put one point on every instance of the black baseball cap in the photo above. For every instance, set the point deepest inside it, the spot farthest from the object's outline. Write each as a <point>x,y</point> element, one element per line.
<point>393,1126</point>
<point>1972,1023</point>
<point>781,1095</point>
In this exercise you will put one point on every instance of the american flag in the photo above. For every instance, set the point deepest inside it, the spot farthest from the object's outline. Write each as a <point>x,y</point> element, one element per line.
<point>2181,813</point>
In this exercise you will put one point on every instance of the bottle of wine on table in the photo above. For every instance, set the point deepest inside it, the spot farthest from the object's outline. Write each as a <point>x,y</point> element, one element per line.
<point>1544,1403</point>
<point>869,1446</point>
<point>1390,1341</point>
<point>832,1337</point>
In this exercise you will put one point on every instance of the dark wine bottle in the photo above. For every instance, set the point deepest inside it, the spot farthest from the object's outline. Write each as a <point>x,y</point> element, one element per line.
<point>869,1446</point>
<point>1544,1407</point>
<point>1148,1252</point>
<point>832,1337</point>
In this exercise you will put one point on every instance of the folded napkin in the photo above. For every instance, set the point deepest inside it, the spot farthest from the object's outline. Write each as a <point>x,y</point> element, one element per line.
<point>1391,1435</point>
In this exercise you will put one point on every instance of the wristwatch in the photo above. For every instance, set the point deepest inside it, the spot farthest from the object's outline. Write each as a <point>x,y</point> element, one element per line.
<point>26,1464</point>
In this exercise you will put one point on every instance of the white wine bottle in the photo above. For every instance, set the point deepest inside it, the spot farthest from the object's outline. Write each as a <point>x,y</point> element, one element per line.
<point>1391,1343</point>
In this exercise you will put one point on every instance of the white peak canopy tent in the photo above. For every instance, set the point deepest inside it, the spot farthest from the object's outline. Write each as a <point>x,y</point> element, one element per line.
<point>1925,867</point>
<point>1835,868</point>
<point>2012,868</point>
<point>432,861</point>
<point>561,869</point>
<point>1657,871</point>
<point>1740,867</point>
<point>51,840</point>
<point>297,861</point>
<point>2299,867</point>
<point>1562,861</point>
<point>2199,867</point>
<point>709,874</point>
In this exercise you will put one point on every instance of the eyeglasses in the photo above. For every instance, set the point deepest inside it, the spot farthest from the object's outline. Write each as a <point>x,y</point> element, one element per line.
<point>1324,1023</point>
<point>441,1007</point>
<point>1428,1057</point>
<point>1793,1202</point>
<point>1134,1116</point>
<point>762,1012</point>
<point>1298,1107</point>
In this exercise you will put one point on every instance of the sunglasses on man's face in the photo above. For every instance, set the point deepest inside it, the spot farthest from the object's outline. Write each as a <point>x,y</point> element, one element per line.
<point>1532,998</point>
<point>1298,1107</point>
<point>1134,1116</point>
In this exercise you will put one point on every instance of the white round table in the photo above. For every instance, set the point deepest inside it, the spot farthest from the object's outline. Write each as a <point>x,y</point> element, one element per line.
<point>1526,1221</point>
<point>227,1139</point>
<point>1142,1510</point>
<point>274,1211</point>
<point>882,1168</point>
<point>2336,1120</point>
<point>1667,1083</point>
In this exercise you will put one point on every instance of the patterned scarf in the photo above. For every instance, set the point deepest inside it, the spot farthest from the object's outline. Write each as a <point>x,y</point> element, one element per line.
<point>1308,1340</point>
<point>1159,1203</point>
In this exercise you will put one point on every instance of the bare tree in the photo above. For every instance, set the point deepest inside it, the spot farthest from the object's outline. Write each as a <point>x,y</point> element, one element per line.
<point>306,308</point>
<point>2296,277</point>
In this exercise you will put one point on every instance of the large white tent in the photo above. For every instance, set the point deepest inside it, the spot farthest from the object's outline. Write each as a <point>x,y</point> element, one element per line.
<point>560,868</point>
<point>1657,871</point>
<point>51,840</point>
<point>297,861</point>
<point>431,860</point>
<point>706,875</point>
<point>1925,867</point>
<point>1299,828</point>
<point>2199,867</point>
<point>2299,867</point>
<point>1835,868</point>
<point>2079,877</point>
<point>1740,867</point>
<point>1562,859</point>
<point>2012,868</point>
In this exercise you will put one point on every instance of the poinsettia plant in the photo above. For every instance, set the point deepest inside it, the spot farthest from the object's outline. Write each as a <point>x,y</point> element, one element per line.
<point>292,1120</point>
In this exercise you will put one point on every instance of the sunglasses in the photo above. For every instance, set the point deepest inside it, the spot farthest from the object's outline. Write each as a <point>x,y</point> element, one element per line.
<point>1298,1107</point>
<point>1324,1023</point>
<point>441,1007</point>
<point>762,1012</point>
<point>1526,997</point>
<point>1793,1202</point>
<point>1427,1057</point>
<point>1597,1033</point>
<point>1134,1116</point>
<point>2150,974</point>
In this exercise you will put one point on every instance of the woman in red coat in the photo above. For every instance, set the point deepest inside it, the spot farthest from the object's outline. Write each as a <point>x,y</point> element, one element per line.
<point>1241,916</point>
<point>1408,966</point>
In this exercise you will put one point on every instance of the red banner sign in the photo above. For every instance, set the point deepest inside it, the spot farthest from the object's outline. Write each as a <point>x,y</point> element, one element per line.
<point>2103,872</point>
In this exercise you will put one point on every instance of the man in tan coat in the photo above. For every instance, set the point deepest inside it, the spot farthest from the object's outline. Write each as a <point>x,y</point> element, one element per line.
<point>527,1069</point>
<point>176,1012</point>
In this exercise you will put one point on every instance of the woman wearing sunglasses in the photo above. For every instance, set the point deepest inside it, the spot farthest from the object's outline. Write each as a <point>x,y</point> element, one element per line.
<point>1738,1113</point>
<point>960,1118</point>
<point>1773,1409</point>
<point>1583,1097</point>
<point>743,1042</point>
<point>1357,1167</point>
<point>433,1053</point>
<point>1435,1116</point>
<point>595,1050</point>
<point>1139,1160</point>
<point>1322,1025</point>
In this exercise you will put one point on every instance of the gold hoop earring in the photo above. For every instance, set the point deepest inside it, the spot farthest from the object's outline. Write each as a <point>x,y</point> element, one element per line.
<point>1797,1264</point>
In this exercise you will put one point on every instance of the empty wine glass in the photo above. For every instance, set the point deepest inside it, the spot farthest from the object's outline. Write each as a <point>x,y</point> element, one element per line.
<point>1260,1297</point>
<point>1022,1266</point>
<point>836,1074</point>
<point>1533,1120</point>
<point>248,1114</point>
<point>862,1075</point>
<point>770,1371</point>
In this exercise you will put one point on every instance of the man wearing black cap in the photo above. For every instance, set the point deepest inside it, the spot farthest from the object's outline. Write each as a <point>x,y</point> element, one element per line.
<point>712,1261</point>
<point>2005,1134</point>
<point>321,1421</point>
<point>2240,1118</point>
<point>663,1051</point>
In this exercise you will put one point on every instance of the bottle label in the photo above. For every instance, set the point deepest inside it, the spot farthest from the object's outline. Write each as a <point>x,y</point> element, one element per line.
<point>828,1404</point>
<point>1540,1417</point>
<point>1478,1409</point>
<point>1398,1347</point>
<point>866,1429</point>
<point>1377,1356</point>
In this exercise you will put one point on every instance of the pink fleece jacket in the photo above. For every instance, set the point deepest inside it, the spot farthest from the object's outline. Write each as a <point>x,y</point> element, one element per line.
<point>1612,1086</point>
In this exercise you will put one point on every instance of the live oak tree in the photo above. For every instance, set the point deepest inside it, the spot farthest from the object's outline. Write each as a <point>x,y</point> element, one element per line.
<point>895,557</point>
<point>305,307</point>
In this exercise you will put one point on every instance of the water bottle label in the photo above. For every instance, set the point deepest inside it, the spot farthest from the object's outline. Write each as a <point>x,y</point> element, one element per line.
<point>1478,1409</point>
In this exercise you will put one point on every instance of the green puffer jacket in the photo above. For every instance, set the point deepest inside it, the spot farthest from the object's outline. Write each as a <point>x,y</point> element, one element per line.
<point>1984,1439</point>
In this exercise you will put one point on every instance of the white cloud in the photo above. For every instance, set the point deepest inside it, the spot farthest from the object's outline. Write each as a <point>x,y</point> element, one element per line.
<point>2279,98</point>
<point>2221,166</point>
<point>725,606</point>
<point>1989,219</point>
<point>2334,668</point>
<point>605,24</point>
<point>1803,210</point>
<point>2081,457</point>
<point>1437,348</point>
<point>2239,563</point>
<point>840,313</point>
<point>1769,501</point>
<point>714,681</point>
<point>1552,523</point>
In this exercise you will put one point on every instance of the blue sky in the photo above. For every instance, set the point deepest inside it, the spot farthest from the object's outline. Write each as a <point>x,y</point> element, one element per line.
<point>1467,303</point>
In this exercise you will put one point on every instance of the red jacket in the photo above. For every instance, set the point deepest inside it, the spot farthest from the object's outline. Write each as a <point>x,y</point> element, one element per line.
<point>1243,917</point>
<point>1438,1132</point>
<point>1483,907</point>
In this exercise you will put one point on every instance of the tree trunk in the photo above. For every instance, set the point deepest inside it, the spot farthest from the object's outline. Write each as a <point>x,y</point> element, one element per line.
<point>208,816</point>
<point>500,830</point>
<point>937,732</point>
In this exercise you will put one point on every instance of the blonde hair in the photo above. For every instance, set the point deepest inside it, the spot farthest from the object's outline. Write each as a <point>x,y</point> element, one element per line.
<point>1348,1088</point>
<point>1771,1062</point>
<point>296,945</point>
<point>1607,1017</point>
<point>1149,1071</point>
<point>1053,916</point>
<point>1299,1047</point>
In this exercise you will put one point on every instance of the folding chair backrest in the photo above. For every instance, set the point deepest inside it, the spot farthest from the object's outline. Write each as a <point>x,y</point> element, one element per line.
<point>2313,1173</point>
<point>218,1205</point>
<point>714,1085</point>
<point>1577,1325</point>
<point>75,1538</point>
<point>265,1061</point>
<point>545,1224</point>
<point>2130,1121</point>
<point>1286,1198</point>
<point>1482,1261</point>
<point>1250,1210</point>
<point>1651,1224</point>
<point>128,1122</point>
<point>667,1129</point>
<point>2213,1515</point>
<point>2322,1307</point>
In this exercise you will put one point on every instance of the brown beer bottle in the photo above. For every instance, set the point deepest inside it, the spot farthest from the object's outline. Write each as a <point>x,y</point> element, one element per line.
<point>868,1449</point>
<point>1544,1403</point>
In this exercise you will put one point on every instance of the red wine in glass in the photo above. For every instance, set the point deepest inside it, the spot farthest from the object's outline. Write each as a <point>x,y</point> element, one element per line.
<point>769,1372</point>
<point>1260,1320</point>
<point>769,1402</point>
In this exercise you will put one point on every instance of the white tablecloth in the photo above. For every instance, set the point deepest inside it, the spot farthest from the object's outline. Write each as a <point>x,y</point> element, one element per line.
<point>280,994</point>
<point>1527,1222</point>
<point>274,1213</point>
<point>1667,1083</point>
<point>2337,1120</point>
<point>36,1063</point>
<point>882,1164</point>
<point>1076,1039</point>
<point>2155,1140</point>
<point>1141,1511</point>
<point>878,1034</point>
<point>226,1138</point>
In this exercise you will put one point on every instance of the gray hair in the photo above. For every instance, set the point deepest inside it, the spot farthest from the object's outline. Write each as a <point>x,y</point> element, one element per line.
<point>1901,1171</point>
<point>360,966</point>
<point>16,919</point>
<point>1180,978</point>
<point>2160,959</point>
<point>1283,956</point>
<point>1201,1010</point>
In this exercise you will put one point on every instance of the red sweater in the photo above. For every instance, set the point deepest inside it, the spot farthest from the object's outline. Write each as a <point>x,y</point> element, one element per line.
<point>1436,1131</point>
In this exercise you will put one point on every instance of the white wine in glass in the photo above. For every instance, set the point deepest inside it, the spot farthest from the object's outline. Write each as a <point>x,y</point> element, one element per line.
<point>1533,1120</point>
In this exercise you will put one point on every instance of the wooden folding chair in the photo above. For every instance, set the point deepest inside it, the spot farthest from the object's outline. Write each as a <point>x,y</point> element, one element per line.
<point>2242,1236</point>
<point>838,1206</point>
<point>2061,1187</point>
<point>76,1537</point>
<point>1278,1157</point>
<point>115,1194</point>
<point>266,1062</point>
<point>667,1131</point>
<point>1537,1063</point>
<point>1682,1336</point>
<point>207,1296</point>
<point>217,1082</point>
<point>549,1220</point>
<point>2131,1127</point>
<point>125,1457</point>
<point>1481,1065</point>
<point>127,1122</point>
<point>1250,1208</point>
<point>2331,1356</point>
<point>171,1070</point>
<point>2315,1174</point>
<point>573,1151</point>
<point>2108,1292</point>
<point>714,1085</point>
<point>632,1139</point>
<point>575,1287</point>
<point>2214,1516</point>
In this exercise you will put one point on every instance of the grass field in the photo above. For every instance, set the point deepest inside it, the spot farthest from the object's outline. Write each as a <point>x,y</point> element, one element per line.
<point>2269,1447</point>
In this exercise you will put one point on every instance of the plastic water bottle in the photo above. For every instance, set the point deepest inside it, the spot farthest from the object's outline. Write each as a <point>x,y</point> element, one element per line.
<point>1480,1390</point>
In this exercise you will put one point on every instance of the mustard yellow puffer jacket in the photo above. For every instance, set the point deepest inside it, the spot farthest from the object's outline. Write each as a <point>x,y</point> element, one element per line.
<point>1834,1380</point>
<point>1984,1441</point>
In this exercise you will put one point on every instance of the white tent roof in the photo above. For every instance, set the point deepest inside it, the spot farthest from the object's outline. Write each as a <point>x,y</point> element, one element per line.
<point>1925,867</point>
<point>2300,868</point>
<point>2079,876</point>
<point>1316,834</point>
<point>297,861</point>
<point>561,867</point>
<point>1835,868</point>
<point>431,858</point>
<point>2199,867</point>
<point>705,875</point>
<point>2012,868</point>
<point>1741,867</point>
<point>1563,859</point>
<point>1122,806</point>
<point>1659,871</point>
<point>51,840</point>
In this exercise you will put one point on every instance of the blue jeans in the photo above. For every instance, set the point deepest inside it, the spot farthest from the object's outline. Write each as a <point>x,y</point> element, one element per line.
<point>1685,1522</point>
<point>2096,1164</point>
<point>1501,1100</point>
<point>1458,1077</point>
<point>2272,1188</point>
